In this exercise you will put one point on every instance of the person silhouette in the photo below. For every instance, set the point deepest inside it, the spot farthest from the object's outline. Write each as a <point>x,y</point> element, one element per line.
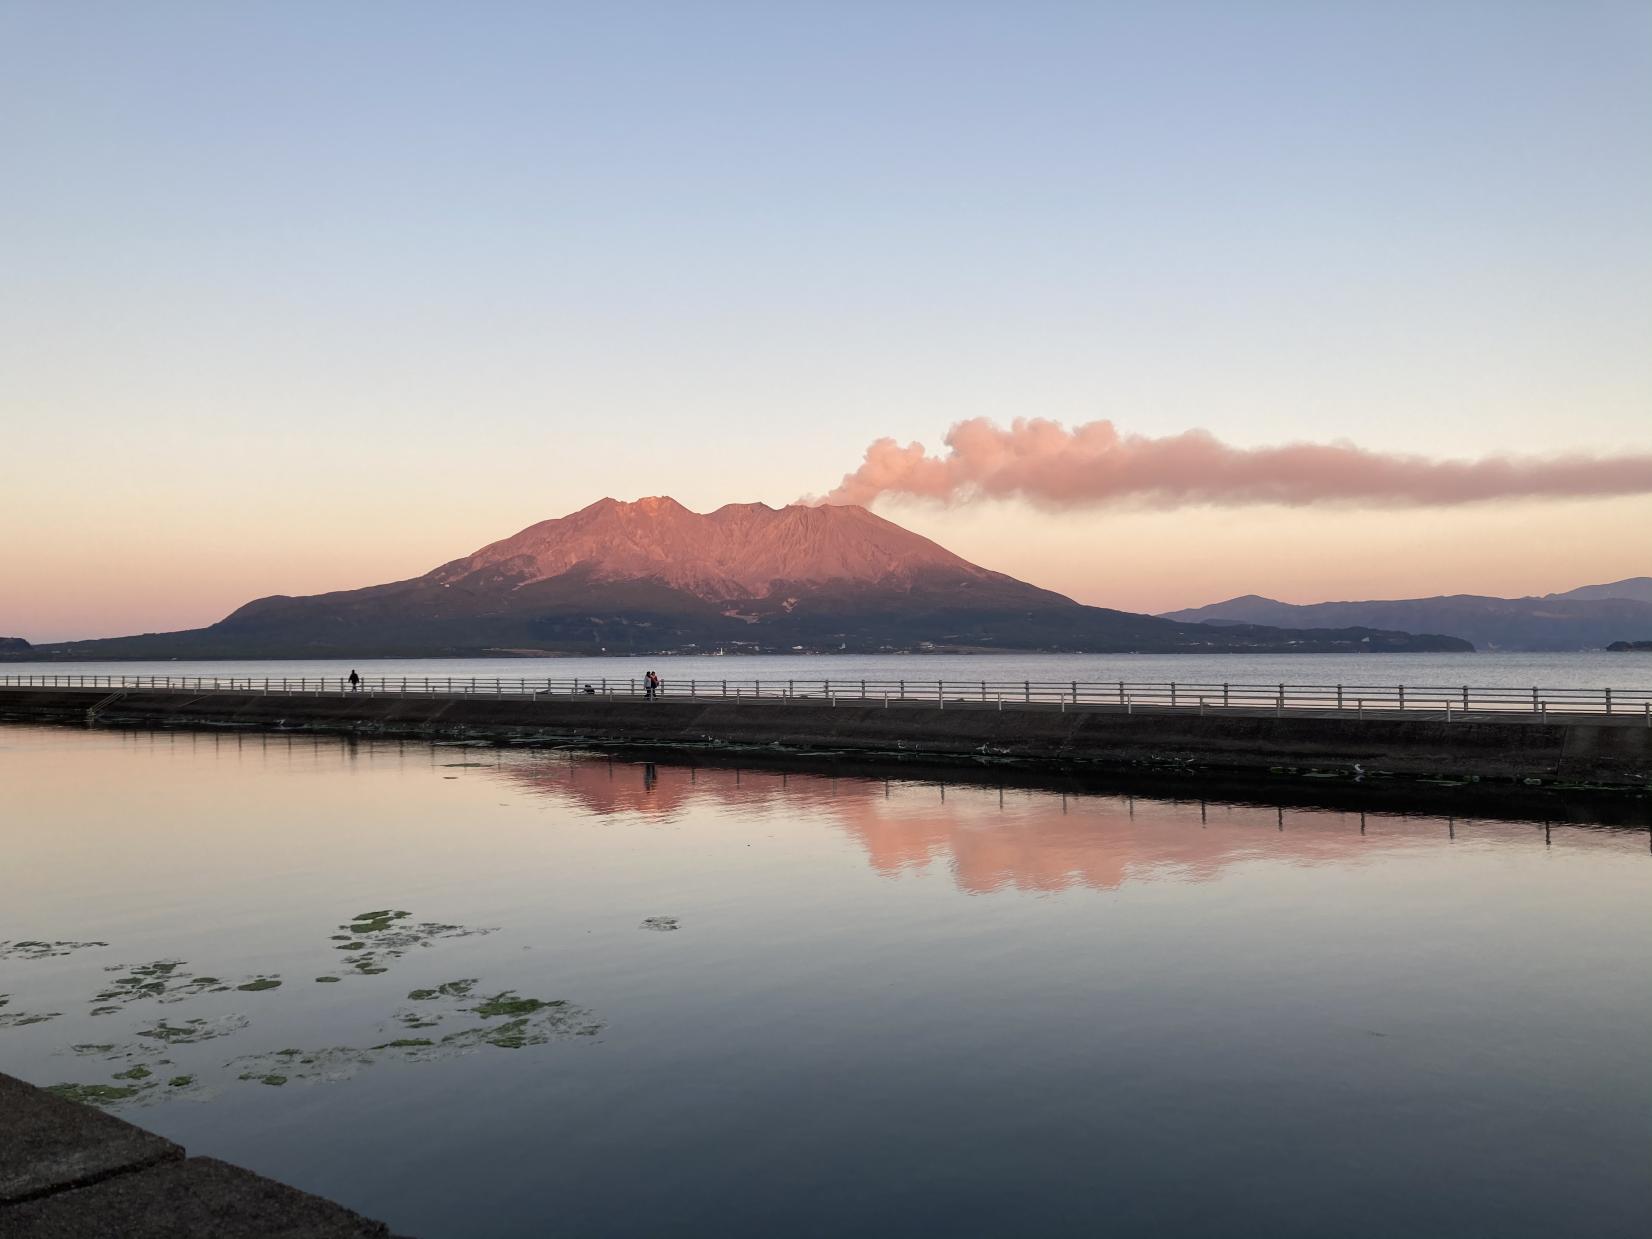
<point>355,681</point>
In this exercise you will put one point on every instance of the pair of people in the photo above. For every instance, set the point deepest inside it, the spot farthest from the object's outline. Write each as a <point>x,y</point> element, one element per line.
<point>650,685</point>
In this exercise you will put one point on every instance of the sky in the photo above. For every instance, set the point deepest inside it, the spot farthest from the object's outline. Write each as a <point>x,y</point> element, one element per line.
<point>307,296</point>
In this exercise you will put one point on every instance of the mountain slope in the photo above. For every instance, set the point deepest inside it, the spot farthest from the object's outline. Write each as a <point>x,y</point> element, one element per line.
<point>652,576</point>
<point>1635,588</point>
<point>1580,620</point>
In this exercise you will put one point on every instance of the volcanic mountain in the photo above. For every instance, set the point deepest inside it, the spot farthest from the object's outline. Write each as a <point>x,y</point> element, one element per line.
<point>652,576</point>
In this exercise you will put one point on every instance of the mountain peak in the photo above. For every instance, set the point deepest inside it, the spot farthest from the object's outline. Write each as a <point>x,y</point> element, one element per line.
<point>740,550</point>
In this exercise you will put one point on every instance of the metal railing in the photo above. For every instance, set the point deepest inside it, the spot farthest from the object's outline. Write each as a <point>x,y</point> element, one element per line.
<point>1361,699</point>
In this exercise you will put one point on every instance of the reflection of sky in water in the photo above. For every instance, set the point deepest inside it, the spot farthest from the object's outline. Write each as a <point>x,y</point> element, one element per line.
<point>889,1006</point>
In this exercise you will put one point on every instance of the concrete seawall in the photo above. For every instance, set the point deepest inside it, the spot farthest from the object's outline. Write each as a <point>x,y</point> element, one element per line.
<point>68,1171</point>
<point>1603,753</point>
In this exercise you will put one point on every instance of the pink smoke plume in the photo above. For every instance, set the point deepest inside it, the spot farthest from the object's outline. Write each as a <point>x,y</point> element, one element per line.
<point>1049,465</point>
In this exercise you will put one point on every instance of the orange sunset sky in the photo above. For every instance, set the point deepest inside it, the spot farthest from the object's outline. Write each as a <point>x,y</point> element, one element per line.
<point>300,298</point>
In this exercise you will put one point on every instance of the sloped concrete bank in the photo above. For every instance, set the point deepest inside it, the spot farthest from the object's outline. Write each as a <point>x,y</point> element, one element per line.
<point>1609,755</point>
<point>68,1171</point>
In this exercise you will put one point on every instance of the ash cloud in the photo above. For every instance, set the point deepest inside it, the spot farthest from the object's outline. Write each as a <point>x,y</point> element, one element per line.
<point>1054,467</point>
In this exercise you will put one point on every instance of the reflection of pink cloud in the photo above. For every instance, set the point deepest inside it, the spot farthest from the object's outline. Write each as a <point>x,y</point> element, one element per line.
<point>1026,841</point>
<point>1044,462</point>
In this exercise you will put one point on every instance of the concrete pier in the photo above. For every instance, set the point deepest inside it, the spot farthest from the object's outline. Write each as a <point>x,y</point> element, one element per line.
<point>1594,751</point>
<point>68,1171</point>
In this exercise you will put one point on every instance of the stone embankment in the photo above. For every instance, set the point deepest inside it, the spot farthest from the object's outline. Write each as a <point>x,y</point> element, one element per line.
<point>68,1171</point>
<point>1593,750</point>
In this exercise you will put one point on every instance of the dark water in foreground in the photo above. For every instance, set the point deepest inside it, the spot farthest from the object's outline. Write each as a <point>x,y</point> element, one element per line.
<point>886,1008</point>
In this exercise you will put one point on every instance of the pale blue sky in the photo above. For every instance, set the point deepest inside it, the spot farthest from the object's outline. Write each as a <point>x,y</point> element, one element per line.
<point>389,280</point>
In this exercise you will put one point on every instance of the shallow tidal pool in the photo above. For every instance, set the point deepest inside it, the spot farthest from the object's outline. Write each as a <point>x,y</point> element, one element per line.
<point>484,992</point>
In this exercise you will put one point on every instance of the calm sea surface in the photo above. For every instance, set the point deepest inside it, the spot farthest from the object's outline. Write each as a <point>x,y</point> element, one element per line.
<point>1595,669</point>
<point>635,999</point>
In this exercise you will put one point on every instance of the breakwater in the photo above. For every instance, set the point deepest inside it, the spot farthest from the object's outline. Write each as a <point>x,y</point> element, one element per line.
<point>1603,752</point>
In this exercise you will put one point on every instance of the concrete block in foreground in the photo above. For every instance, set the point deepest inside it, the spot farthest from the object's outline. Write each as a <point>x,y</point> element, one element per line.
<point>201,1196</point>
<point>48,1144</point>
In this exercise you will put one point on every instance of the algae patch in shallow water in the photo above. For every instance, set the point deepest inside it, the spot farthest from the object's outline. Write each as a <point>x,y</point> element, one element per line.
<point>94,1094</point>
<point>189,1032</point>
<point>661,924</point>
<point>507,1003</point>
<point>537,1021</point>
<point>506,1020</point>
<point>383,936</point>
<point>163,980</point>
<point>447,989</point>
<point>34,948</point>
<point>19,1019</point>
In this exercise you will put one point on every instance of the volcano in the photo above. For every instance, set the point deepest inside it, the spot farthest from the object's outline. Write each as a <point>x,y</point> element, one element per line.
<point>654,577</point>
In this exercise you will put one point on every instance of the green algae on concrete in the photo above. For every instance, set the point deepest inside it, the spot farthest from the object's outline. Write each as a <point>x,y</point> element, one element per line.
<point>140,1072</point>
<point>661,923</point>
<point>258,984</point>
<point>325,980</point>
<point>96,1094</point>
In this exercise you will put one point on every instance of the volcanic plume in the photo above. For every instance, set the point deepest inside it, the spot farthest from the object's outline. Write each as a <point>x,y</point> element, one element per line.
<point>1051,466</point>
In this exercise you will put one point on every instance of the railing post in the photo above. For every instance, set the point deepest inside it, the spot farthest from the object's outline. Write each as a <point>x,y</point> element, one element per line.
<point>1339,696</point>
<point>1224,696</point>
<point>1465,699</point>
<point>1608,701</point>
<point>725,688</point>
<point>1173,694</point>
<point>1121,692</point>
<point>1075,692</point>
<point>1026,690</point>
<point>1402,696</point>
<point>1534,701</point>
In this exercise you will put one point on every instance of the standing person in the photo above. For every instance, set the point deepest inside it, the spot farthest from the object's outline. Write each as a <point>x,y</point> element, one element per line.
<point>658,683</point>
<point>648,686</point>
<point>355,681</point>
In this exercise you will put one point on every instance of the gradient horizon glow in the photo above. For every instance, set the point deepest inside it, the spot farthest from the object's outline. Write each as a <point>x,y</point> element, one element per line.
<point>305,296</point>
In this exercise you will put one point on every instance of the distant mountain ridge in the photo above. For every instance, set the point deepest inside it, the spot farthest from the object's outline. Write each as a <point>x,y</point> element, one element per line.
<point>1588,618</point>
<point>1635,588</point>
<point>652,576</point>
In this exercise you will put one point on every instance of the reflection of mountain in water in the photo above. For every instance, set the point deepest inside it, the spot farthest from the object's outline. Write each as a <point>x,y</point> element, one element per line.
<point>1007,839</point>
